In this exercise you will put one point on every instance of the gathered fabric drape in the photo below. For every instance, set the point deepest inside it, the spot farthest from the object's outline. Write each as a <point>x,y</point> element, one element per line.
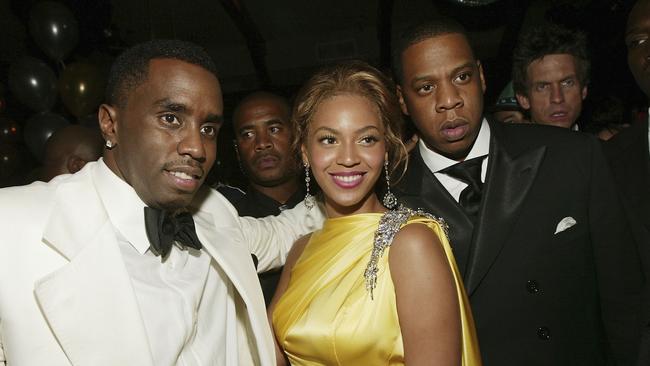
<point>327,316</point>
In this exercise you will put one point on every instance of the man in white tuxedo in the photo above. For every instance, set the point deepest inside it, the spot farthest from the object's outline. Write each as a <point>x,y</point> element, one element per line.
<point>131,261</point>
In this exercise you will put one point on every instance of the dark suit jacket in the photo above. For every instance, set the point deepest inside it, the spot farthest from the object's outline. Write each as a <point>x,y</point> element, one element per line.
<point>541,298</point>
<point>629,160</point>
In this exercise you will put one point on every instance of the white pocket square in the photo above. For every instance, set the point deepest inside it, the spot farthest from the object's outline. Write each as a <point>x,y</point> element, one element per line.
<point>564,224</point>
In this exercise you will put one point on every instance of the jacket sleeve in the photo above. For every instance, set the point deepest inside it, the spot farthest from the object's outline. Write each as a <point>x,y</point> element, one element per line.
<point>618,266</point>
<point>270,238</point>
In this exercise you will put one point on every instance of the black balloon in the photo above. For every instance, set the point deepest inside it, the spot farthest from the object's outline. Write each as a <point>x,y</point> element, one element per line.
<point>3,102</point>
<point>10,160</point>
<point>39,128</point>
<point>33,83</point>
<point>54,29</point>
<point>90,121</point>
<point>9,131</point>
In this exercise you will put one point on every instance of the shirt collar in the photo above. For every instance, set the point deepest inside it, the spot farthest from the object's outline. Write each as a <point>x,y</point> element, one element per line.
<point>123,206</point>
<point>268,204</point>
<point>436,162</point>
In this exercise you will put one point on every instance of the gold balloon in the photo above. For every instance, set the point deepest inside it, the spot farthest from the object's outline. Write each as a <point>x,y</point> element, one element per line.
<point>81,86</point>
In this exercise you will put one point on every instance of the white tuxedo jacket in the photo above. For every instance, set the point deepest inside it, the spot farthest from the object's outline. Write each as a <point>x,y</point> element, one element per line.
<point>66,297</point>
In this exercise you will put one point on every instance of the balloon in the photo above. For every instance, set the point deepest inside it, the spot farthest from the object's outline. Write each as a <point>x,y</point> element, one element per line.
<point>54,29</point>
<point>3,101</point>
<point>10,160</point>
<point>82,88</point>
<point>33,83</point>
<point>90,121</point>
<point>9,131</point>
<point>39,128</point>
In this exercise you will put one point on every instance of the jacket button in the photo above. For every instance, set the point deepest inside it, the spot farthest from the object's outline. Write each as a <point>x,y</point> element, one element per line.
<point>543,333</point>
<point>532,287</point>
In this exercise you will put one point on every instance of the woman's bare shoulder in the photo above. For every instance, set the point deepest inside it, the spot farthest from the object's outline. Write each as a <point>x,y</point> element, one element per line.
<point>416,238</point>
<point>297,249</point>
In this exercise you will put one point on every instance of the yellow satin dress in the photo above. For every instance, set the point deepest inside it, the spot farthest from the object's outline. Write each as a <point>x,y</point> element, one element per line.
<point>327,315</point>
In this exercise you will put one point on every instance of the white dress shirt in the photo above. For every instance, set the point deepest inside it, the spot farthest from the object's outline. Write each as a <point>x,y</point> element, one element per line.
<point>436,162</point>
<point>177,297</point>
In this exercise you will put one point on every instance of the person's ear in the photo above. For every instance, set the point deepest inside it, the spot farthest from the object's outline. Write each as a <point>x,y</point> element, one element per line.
<point>411,143</point>
<point>234,144</point>
<point>584,92</point>
<point>74,164</point>
<point>523,101</point>
<point>402,103</point>
<point>303,154</point>
<point>107,116</point>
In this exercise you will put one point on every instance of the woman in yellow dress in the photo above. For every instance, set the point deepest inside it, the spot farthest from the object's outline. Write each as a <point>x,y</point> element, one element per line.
<point>374,286</point>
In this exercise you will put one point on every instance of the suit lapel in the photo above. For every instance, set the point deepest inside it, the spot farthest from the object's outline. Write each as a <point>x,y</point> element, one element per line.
<point>508,182</point>
<point>421,189</point>
<point>89,303</point>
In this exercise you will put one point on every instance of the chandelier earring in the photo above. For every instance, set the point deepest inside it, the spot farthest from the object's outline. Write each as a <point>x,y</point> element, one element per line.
<point>389,200</point>
<point>310,201</point>
<point>241,168</point>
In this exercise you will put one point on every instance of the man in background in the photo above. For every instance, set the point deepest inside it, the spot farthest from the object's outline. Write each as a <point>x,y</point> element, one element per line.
<point>550,74</point>
<point>69,149</point>
<point>629,154</point>
<point>507,109</point>
<point>263,142</point>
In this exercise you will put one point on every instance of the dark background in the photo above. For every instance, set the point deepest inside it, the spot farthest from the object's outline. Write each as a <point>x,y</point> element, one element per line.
<point>278,44</point>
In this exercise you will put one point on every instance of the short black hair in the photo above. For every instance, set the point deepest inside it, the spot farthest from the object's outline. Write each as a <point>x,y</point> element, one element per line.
<point>131,67</point>
<point>418,32</point>
<point>549,39</point>
<point>262,94</point>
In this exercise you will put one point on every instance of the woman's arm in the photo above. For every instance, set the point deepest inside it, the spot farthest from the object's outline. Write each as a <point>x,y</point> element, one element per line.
<point>427,300</point>
<point>283,283</point>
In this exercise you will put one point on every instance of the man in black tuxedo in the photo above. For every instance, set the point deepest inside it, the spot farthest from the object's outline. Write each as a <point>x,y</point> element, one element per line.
<point>629,153</point>
<point>539,235</point>
<point>550,74</point>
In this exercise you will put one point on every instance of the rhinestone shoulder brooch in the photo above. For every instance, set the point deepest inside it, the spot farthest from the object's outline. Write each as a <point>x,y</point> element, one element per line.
<point>389,225</point>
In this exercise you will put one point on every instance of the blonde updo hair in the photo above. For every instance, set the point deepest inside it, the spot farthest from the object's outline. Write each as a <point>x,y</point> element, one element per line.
<point>354,78</point>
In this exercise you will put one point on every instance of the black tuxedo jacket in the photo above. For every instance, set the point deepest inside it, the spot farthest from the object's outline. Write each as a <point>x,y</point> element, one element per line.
<point>541,297</point>
<point>629,160</point>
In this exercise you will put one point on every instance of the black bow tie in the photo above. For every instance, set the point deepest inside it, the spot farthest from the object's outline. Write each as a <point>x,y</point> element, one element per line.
<point>164,228</point>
